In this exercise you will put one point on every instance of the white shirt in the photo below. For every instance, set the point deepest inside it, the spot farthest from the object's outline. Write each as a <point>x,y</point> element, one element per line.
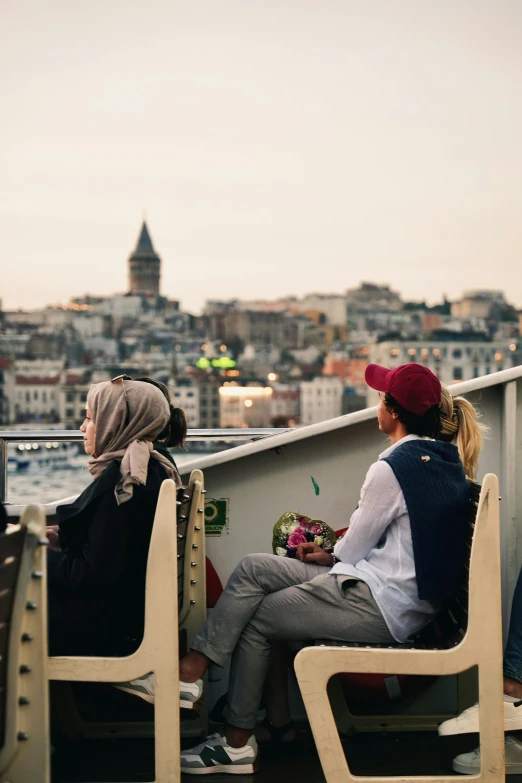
<point>377,549</point>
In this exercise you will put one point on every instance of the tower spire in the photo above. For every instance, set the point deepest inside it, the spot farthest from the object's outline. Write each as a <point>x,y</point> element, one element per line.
<point>144,245</point>
<point>144,266</point>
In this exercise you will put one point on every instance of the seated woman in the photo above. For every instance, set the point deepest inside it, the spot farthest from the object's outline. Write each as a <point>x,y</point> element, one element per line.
<point>460,425</point>
<point>98,558</point>
<point>376,587</point>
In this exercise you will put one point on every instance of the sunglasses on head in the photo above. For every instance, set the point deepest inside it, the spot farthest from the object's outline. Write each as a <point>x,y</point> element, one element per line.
<point>122,378</point>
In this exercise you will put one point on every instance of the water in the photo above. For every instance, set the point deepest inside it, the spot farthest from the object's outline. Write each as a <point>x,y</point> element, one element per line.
<point>45,485</point>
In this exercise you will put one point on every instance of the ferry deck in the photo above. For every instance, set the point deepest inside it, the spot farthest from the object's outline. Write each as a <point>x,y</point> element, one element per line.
<point>318,471</point>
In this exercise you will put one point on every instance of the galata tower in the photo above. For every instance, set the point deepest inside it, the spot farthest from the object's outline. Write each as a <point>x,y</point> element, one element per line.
<point>144,266</point>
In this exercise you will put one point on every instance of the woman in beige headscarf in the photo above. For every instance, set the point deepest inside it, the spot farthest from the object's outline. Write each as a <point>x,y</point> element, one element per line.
<point>97,566</point>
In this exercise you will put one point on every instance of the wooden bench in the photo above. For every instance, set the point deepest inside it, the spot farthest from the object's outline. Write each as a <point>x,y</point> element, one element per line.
<point>466,633</point>
<point>24,719</point>
<point>175,578</point>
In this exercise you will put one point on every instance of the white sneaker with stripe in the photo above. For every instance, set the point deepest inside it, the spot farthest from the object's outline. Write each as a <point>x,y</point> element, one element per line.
<point>215,755</point>
<point>190,693</point>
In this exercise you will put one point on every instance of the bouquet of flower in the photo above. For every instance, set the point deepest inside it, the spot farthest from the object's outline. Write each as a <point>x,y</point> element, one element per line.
<point>292,529</point>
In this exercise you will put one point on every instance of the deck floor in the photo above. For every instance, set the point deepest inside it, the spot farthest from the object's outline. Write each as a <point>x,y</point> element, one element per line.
<point>132,761</point>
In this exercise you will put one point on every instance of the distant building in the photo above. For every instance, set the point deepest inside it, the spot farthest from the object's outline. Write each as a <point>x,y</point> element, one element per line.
<point>144,267</point>
<point>185,395</point>
<point>209,415</point>
<point>7,383</point>
<point>50,317</point>
<point>255,328</point>
<point>431,321</point>
<point>73,397</point>
<point>245,406</point>
<point>352,401</point>
<point>285,405</point>
<point>321,399</point>
<point>331,306</point>
<point>477,304</point>
<point>37,399</point>
<point>369,297</point>
<point>452,356</point>
<point>349,365</point>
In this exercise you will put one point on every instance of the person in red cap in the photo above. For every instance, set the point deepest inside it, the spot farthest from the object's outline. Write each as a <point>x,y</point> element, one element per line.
<point>383,581</point>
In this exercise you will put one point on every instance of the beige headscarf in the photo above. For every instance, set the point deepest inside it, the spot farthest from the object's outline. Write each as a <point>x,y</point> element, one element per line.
<point>128,416</point>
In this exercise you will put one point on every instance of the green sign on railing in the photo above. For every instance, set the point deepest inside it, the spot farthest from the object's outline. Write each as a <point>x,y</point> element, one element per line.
<point>216,516</point>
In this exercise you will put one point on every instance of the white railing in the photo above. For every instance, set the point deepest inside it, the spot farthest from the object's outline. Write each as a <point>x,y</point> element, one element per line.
<point>76,436</point>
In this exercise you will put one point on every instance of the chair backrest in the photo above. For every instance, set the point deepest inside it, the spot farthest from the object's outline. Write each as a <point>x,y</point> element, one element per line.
<point>24,751</point>
<point>183,541</point>
<point>191,546</point>
<point>11,550</point>
<point>184,502</point>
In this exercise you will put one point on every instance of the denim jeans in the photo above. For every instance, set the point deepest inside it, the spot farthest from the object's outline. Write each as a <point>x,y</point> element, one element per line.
<point>513,653</point>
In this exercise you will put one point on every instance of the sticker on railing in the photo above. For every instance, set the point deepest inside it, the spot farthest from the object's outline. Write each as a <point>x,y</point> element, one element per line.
<point>216,516</point>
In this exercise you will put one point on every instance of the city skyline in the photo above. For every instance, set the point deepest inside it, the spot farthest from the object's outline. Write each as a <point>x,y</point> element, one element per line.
<point>274,153</point>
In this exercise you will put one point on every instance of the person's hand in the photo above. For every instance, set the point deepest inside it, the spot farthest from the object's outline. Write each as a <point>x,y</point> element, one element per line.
<point>312,553</point>
<point>52,536</point>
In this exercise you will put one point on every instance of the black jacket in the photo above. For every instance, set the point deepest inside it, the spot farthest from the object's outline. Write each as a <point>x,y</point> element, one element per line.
<point>97,582</point>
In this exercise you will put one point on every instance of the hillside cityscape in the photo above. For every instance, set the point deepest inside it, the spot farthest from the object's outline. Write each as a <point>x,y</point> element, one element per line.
<point>279,363</point>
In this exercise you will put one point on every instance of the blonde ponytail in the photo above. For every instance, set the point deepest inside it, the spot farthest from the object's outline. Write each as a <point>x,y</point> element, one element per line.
<point>460,425</point>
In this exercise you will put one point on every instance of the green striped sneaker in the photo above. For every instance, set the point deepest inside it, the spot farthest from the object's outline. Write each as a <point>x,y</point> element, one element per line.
<point>216,755</point>
<point>190,693</point>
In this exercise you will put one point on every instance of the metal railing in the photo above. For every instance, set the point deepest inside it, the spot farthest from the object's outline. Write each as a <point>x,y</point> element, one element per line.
<point>76,436</point>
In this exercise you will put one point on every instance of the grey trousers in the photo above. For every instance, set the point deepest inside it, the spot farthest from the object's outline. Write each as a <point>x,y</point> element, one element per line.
<point>270,598</point>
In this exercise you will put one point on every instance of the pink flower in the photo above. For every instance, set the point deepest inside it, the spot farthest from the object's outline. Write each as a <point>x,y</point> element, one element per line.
<point>303,521</point>
<point>316,529</point>
<point>296,538</point>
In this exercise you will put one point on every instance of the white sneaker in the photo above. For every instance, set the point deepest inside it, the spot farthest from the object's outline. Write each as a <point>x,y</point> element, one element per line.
<point>469,763</point>
<point>215,755</point>
<point>468,721</point>
<point>190,693</point>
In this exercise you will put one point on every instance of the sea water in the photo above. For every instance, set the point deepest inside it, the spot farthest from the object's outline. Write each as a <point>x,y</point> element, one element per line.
<point>48,484</point>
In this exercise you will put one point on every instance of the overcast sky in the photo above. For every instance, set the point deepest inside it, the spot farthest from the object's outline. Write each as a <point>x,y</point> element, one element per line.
<point>276,146</point>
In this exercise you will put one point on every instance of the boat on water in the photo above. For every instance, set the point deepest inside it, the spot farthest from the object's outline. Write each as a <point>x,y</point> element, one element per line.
<point>317,471</point>
<point>36,456</point>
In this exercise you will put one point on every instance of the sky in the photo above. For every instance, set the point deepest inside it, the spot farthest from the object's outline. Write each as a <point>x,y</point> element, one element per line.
<point>276,147</point>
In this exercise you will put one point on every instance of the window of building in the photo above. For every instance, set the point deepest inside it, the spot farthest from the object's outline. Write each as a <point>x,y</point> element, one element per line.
<point>476,372</point>
<point>457,373</point>
<point>69,396</point>
<point>69,413</point>
<point>488,369</point>
<point>35,395</point>
<point>83,397</point>
<point>28,396</point>
<point>44,396</point>
<point>190,394</point>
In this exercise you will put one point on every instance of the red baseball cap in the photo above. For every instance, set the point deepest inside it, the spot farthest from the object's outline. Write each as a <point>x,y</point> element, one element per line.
<point>413,386</point>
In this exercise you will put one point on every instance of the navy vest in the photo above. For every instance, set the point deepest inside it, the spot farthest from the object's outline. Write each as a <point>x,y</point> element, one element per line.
<point>436,492</point>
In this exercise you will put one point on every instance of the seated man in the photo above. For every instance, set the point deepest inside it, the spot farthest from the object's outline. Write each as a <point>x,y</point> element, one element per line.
<point>468,722</point>
<point>402,554</point>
